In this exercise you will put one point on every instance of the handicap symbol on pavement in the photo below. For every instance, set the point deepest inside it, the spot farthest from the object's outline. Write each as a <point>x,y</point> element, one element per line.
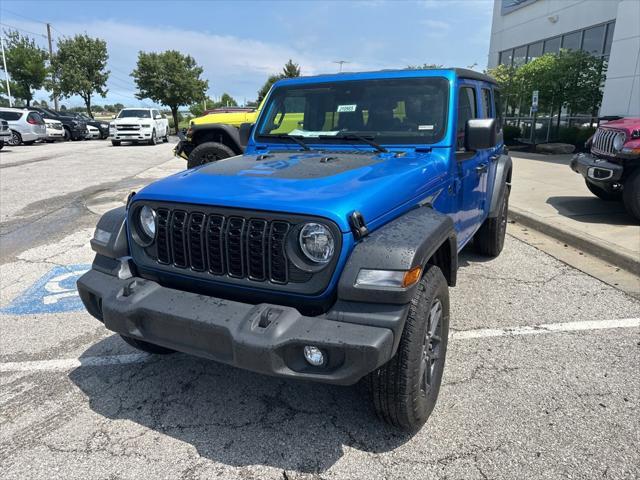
<point>55,292</point>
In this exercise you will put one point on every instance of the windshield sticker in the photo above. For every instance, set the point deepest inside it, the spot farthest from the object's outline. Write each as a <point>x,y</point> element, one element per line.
<point>310,133</point>
<point>425,127</point>
<point>346,108</point>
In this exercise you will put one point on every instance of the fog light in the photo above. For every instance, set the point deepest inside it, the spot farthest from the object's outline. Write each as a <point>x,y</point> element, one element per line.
<point>313,355</point>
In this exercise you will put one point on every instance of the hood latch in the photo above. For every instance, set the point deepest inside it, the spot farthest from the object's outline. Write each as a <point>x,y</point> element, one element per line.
<point>358,225</point>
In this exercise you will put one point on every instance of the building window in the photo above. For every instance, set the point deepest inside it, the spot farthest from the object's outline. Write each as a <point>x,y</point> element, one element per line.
<point>572,41</point>
<point>552,45</point>
<point>519,56</point>
<point>506,57</point>
<point>535,51</point>
<point>593,40</point>
<point>608,40</point>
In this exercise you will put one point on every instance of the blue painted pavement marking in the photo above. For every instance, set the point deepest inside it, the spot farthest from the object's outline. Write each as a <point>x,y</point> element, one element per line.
<point>55,292</point>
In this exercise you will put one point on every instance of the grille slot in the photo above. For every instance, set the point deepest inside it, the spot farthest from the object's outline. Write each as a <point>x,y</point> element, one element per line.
<point>197,257</point>
<point>215,244</point>
<point>256,236</point>
<point>162,239</point>
<point>178,238</point>
<point>234,236</point>
<point>277,258</point>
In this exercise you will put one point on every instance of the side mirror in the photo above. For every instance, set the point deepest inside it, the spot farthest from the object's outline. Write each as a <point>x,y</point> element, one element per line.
<point>113,116</point>
<point>157,117</point>
<point>245,133</point>
<point>480,134</point>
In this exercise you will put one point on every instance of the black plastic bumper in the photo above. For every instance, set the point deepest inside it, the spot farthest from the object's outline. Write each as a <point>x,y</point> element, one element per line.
<point>263,338</point>
<point>183,149</point>
<point>596,170</point>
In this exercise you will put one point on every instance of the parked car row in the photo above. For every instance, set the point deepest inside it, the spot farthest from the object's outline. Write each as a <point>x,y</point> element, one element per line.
<point>37,124</point>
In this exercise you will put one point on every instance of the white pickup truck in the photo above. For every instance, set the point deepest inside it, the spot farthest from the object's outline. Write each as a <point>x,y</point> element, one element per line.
<point>139,125</point>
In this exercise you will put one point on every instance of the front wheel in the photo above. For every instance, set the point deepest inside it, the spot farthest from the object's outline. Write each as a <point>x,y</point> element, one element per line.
<point>602,194</point>
<point>154,139</point>
<point>631,194</point>
<point>405,390</point>
<point>146,346</point>
<point>208,152</point>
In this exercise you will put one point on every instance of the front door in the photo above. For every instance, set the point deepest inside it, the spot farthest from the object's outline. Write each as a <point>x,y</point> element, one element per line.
<point>472,168</point>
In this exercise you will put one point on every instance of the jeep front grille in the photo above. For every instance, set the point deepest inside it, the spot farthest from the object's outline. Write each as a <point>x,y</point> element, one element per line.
<point>602,143</point>
<point>231,246</point>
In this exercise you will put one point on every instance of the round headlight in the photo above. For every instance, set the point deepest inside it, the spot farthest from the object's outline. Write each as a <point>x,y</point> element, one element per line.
<point>148,222</point>
<point>317,242</point>
<point>618,142</point>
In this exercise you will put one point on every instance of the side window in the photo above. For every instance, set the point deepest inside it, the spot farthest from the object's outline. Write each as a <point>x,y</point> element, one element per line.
<point>10,115</point>
<point>466,111</point>
<point>486,103</point>
<point>497,106</point>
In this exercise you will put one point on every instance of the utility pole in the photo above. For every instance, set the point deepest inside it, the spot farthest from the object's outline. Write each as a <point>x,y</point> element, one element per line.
<point>6,72</point>
<point>340,62</point>
<point>55,98</point>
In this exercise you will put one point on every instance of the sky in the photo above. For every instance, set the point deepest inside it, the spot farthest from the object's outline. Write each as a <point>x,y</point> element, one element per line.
<point>240,43</point>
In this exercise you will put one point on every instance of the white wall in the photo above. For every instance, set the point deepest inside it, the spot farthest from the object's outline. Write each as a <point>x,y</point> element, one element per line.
<point>622,87</point>
<point>531,22</point>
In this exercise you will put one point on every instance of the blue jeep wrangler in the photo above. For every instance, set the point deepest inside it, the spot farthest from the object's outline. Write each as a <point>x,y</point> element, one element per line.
<point>326,250</point>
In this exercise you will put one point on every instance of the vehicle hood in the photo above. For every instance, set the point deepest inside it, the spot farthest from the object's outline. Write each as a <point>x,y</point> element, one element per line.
<point>627,125</point>
<point>325,184</point>
<point>132,119</point>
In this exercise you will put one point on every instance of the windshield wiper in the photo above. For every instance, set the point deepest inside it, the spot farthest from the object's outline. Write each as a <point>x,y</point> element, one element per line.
<point>296,139</point>
<point>354,136</point>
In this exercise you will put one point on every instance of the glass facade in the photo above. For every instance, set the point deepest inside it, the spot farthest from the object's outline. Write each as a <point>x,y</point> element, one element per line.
<point>596,40</point>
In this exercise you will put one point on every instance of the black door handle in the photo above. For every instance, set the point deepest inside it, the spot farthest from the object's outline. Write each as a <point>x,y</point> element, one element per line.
<point>482,168</point>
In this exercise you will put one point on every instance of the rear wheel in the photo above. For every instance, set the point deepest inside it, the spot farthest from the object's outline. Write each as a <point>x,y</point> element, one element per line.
<point>601,193</point>
<point>146,346</point>
<point>405,389</point>
<point>208,152</point>
<point>489,239</point>
<point>631,194</point>
<point>115,143</point>
<point>16,138</point>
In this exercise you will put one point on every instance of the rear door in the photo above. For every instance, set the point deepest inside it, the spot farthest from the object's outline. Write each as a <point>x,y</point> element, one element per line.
<point>472,166</point>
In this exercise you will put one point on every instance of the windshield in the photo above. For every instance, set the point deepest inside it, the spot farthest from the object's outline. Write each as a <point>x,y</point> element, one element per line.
<point>393,111</point>
<point>135,114</point>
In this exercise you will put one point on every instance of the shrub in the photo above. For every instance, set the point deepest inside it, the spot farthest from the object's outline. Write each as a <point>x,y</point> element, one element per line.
<point>511,132</point>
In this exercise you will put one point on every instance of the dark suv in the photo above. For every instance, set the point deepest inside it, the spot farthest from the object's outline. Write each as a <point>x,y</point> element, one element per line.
<point>74,128</point>
<point>325,252</point>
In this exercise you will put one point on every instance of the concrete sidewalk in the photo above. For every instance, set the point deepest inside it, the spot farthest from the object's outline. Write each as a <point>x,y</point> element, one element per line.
<point>548,196</point>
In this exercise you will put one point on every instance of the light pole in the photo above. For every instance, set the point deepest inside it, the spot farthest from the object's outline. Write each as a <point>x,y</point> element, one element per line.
<point>341,63</point>
<point>6,72</point>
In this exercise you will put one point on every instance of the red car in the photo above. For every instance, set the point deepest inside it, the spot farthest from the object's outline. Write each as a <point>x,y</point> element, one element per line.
<point>612,169</point>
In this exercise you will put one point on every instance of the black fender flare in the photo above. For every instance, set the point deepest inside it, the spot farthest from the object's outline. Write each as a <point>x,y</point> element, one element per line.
<point>217,132</point>
<point>418,237</point>
<point>504,167</point>
<point>110,237</point>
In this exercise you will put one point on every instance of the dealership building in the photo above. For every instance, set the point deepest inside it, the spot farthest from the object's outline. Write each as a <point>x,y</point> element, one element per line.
<point>525,29</point>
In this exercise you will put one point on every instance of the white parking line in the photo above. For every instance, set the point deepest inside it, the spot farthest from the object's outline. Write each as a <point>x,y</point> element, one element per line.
<point>110,360</point>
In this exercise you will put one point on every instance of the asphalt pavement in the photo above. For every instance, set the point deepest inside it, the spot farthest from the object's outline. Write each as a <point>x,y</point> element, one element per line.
<point>541,379</point>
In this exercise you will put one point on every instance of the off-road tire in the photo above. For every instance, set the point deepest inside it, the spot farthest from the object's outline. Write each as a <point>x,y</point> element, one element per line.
<point>489,239</point>
<point>153,140</point>
<point>631,194</point>
<point>16,139</point>
<point>602,194</point>
<point>115,143</point>
<point>146,346</point>
<point>400,396</point>
<point>208,152</point>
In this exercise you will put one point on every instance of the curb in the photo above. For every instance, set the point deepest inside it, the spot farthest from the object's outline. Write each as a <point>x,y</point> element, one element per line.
<point>580,240</point>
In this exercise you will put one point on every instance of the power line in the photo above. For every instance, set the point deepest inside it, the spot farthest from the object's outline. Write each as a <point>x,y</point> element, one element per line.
<point>22,16</point>
<point>22,30</point>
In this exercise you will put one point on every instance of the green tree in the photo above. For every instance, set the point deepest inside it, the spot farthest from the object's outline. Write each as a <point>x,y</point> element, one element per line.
<point>79,67</point>
<point>424,66</point>
<point>169,78</point>
<point>511,88</point>
<point>26,65</point>
<point>290,70</point>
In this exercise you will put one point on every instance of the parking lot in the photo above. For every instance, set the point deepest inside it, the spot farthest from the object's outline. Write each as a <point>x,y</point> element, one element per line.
<point>541,377</point>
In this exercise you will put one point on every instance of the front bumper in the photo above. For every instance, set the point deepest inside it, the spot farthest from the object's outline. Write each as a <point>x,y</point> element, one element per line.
<point>596,170</point>
<point>263,338</point>
<point>183,149</point>
<point>131,135</point>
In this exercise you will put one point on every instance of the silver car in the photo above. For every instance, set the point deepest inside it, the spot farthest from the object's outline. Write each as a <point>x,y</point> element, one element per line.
<point>26,126</point>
